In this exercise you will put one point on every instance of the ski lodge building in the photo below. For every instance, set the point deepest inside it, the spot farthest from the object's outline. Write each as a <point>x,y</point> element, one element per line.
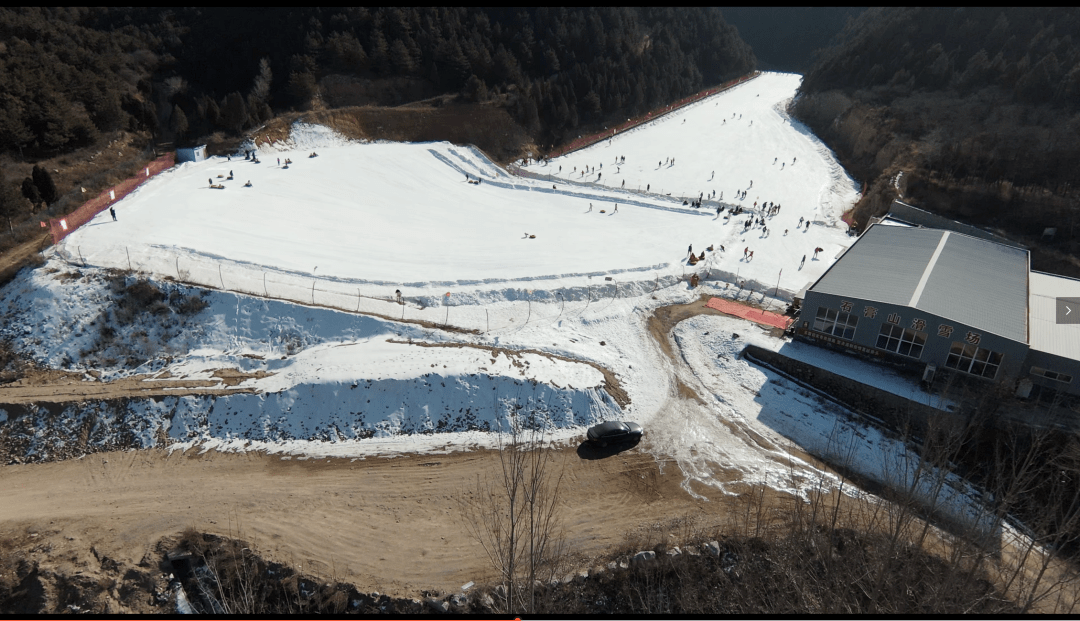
<point>937,300</point>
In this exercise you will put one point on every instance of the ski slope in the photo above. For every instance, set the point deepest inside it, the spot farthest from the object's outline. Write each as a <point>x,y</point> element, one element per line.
<point>374,217</point>
<point>386,216</point>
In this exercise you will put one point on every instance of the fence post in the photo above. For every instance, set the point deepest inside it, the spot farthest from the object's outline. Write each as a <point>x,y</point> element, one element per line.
<point>265,294</point>
<point>177,267</point>
<point>358,299</point>
<point>312,292</point>
<point>128,253</point>
<point>220,277</point>
<point>487,322</point>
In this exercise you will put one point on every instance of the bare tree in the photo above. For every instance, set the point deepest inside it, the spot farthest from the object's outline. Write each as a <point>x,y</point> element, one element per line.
<point>515,515</point>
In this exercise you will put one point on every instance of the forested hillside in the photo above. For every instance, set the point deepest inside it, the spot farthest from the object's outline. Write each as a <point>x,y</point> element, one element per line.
<point>979,108</point>
<point>67,74</point>
<point>86,92</point>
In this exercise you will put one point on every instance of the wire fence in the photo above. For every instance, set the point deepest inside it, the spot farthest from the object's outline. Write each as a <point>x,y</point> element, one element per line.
<point>495,312</point>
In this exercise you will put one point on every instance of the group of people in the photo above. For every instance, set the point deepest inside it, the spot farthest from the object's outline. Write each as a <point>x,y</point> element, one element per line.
<point>250,156</point>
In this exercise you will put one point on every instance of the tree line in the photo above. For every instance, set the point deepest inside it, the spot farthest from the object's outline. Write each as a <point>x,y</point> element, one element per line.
<point>971,103</point>
<point>66,75</point>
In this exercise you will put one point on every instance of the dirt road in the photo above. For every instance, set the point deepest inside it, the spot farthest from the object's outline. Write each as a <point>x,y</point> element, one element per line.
<point>388,524</point>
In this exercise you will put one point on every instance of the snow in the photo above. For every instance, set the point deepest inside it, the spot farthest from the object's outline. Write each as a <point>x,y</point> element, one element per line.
<point>288,261</point>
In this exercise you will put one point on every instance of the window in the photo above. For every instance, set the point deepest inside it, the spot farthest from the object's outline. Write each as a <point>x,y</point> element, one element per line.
<point>836,323</point>
<point>1051,375</point>
<point>974,360</point>
<point>901,341</point>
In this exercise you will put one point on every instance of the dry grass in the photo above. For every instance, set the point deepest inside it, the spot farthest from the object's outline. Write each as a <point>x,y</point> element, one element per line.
<point>487,126</point>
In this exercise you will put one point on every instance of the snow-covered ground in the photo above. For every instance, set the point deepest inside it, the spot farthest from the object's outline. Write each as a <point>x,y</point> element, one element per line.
<point>345,229</point>
<point>367,219</point>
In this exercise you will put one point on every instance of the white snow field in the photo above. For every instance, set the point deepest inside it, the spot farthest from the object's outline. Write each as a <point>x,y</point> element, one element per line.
<point>289,260</point>
<point>385,216</point>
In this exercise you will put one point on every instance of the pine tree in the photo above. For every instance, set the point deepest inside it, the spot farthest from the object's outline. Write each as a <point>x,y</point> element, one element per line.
<point>234,112</point>
<point>30,191</point>
<point>44,182</point>
<point>178,123</point>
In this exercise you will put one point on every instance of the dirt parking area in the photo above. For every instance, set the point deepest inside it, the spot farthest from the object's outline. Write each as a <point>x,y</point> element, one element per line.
<point>385,524</point>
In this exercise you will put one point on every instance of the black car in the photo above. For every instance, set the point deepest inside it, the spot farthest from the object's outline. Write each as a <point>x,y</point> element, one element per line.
<point>613,432</point>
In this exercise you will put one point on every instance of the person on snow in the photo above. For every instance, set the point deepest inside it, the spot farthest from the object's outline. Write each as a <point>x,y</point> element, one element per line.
<point>590,208</point>
<point>817,250</point>
<point>112,212</point>
<point>616,208</point>
<point>807,225</point>
<point>690,249</point>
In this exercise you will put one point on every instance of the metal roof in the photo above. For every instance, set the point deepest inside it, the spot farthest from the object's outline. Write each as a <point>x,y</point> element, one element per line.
<point>1046,334</point>
<point>972,281</point>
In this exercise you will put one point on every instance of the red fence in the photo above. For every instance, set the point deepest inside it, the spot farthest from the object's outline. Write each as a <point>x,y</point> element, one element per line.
<point>62,227</point>
<point>583,142</point>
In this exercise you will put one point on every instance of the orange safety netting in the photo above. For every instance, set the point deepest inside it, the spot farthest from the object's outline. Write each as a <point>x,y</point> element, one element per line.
<point>750,313</point>
<point>581,143</point>
<point>64,226</point>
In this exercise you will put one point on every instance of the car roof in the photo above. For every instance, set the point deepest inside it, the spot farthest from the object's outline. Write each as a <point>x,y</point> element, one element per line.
<point>610,426</point>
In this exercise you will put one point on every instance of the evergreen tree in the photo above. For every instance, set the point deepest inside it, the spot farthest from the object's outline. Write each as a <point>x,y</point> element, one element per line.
<point>30,191</point>
<point>44,182</point>
<point>234,112</point>
<point>178,123</point>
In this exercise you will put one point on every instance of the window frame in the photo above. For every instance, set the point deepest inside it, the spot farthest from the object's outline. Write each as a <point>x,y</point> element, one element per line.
<point>1054,376</point>
<point>836,323</point>
<point>901,341</point>
<point>973,360</point>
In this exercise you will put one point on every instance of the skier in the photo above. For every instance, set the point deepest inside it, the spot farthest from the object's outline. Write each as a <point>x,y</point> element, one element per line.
<point>751,256</point>
<point>774,160</point>
<point>616,208</point>
<point>817,250</point>
<point>800,220</point>
<point>807,225</point>
<point>112,212</point>
<point>690,249</point>
<point>781,166</point>
<point>745,250</point>
<point>624,183</point>
<point>279,163</point>
<point>793,159</point>
<point>718,210</point>
<point>646,187</point>
<point>803,261</point>
<point>590,208</point>
<point>785,232</point>
<point>751,183</point>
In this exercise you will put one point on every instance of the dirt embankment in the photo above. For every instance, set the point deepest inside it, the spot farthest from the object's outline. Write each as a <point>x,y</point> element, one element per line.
<point>487,126</point>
